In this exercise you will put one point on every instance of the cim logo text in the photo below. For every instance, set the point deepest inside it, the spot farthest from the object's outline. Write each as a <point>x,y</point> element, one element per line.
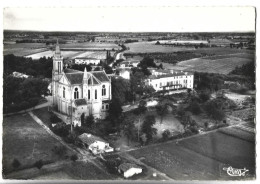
<point>235,172</point>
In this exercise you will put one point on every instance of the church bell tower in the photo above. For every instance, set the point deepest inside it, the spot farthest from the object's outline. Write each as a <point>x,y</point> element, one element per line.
<point>57,72</point>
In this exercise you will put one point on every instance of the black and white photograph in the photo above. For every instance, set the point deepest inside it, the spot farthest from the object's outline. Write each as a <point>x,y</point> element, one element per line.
<point>129,93</point>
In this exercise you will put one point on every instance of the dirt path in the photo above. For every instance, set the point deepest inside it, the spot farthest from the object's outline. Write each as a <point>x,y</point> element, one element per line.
<point>82,153</point>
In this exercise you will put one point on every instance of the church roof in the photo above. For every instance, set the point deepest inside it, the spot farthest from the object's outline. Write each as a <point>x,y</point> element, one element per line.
<point>101,76</point>
<point>94,77</point>
<point>79,102</point>
<point>68,70</point>
<point>75,78</point>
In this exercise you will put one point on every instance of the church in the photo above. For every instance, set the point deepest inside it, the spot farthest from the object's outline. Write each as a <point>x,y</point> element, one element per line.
<point>76,93</point>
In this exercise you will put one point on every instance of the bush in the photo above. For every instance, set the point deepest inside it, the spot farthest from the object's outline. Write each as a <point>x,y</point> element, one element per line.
<point>166,135</point>
<point>60,150</point>
<point>54,119</point>
<point>16,163</point>
<point>194,107</point>
<point>38,164</point>
<point>74,157</point>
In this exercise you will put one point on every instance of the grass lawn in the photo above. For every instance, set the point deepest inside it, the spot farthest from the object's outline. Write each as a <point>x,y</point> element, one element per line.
<point>177,162</point>
<point>201,157</point>
<point>44,115</point>
<point>86,171</point>
<point>26,141</point>
<point>227,149</point>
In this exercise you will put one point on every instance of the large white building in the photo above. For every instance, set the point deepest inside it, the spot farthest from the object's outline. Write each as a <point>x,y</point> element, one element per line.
<point>85,60</point>
<point>170,80</point>
<point>76,93</point>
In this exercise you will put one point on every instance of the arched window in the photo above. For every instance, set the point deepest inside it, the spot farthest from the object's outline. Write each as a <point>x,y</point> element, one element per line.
<point>76,93</point>
<point>103,90</point>
<point>89,94</point>
<point>95,94</point>
<point>63,92</point>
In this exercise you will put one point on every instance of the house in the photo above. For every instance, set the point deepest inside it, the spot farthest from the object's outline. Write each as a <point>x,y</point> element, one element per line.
<point>76,93</point>
<point>95,144</point>
<point>129,169</point>
<point>124,72</point>
<point>170,80</point>
<point>20,75</point>
<point>86,60</point>
<point>129,63</point>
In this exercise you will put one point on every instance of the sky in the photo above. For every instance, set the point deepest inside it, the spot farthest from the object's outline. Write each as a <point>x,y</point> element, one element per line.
<point>132,19</point>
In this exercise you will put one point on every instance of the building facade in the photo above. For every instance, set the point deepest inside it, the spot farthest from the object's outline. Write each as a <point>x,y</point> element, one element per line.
<point>170,80</point>
<point>76,93</point>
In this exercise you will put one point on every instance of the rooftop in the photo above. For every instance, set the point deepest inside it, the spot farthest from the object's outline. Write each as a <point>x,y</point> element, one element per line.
<point>126,166</point>
<point>89,139</point>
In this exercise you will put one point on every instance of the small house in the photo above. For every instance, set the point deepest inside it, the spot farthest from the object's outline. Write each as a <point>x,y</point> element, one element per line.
<point>129,169</point>
<point>95,144</point>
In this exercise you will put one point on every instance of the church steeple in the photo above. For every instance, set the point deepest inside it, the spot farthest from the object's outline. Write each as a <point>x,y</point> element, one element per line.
<point>57,59</point>
<point>57,50</point>
<point>85,76</point>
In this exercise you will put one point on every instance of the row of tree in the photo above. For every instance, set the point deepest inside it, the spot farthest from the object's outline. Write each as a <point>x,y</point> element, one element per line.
<point>20,93</point>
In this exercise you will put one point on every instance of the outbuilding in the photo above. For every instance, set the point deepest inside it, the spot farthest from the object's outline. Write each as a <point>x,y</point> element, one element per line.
<point>129,169</point>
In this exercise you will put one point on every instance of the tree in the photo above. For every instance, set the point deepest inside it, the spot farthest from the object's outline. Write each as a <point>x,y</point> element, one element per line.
<point>180,110</point>
<point>90,120</point>
<point>161,110</point>
<point>115,109</point>
<point>214,111</point>
<point>166,134</point>
<point>147,127</point>
<point>121,90</point>
<point>194,107</point>
<point>129,129</point>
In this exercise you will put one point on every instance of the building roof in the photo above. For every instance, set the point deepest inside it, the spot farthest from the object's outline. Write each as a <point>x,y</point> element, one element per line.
<point>89,139</point>
<point>94,77</point>
<point>68,70</point>
<point>75,78</point>
<point>87,58</point>
<point>126,166</point>
<point>101,76</point>
<point>80,102</point>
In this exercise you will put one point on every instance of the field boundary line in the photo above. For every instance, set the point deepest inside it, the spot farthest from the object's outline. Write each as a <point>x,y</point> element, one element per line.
<point>38,121</point>
<point>130,157</point>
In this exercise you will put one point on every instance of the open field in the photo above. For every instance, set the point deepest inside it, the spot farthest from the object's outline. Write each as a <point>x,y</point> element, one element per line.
<point>223,66</point>
<point>23,49</point>
<point>26,141</point>
<point>51,53</point>
<point>91,45</point>
<point>143,47</point>
<point>78,170</point>
<point>200,157</point>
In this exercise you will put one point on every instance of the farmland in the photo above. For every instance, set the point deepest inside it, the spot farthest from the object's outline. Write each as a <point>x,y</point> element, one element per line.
<point>223,66</point>
<point>26,141</point>
<point>50,54</point>
<point>91,45</point>
<point>23,49</point>
<point>149,47</point>
<point>200,157</point>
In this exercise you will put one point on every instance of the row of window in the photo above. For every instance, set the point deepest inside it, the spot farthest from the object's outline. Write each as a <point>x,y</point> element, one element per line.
<point>171,83</point>
<point>76,92</point>
<point>105,107</point>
